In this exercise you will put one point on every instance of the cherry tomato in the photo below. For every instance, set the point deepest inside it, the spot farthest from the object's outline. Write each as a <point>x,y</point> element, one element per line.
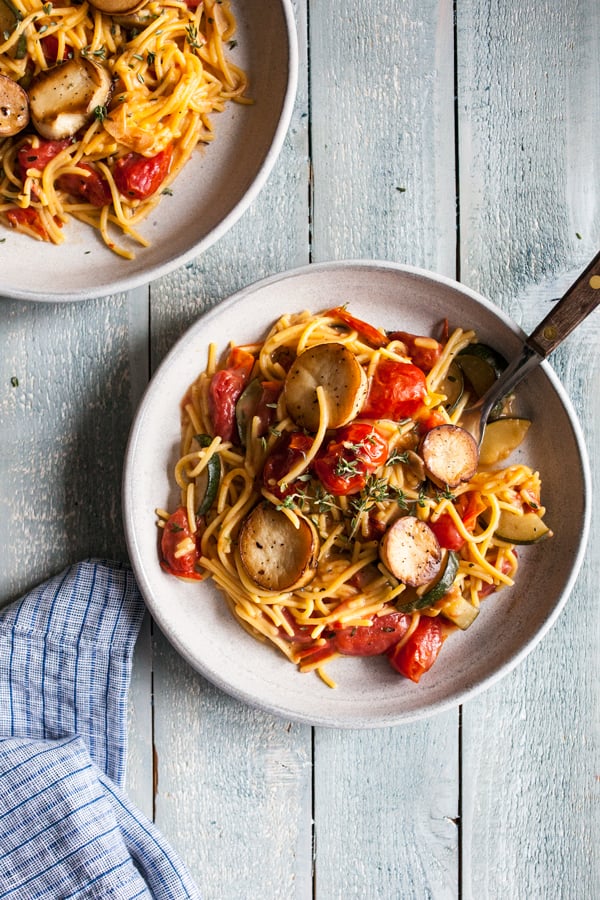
<point>374,639</point>
<point>27,218</point>
<point>396,391</point>
<point>371,335</point>
<point>354,452</point>
<point>92,187</point>
<point>447,533</point>
<point>176,530</point>
<point>287,452</point>
<point>302,634</point>
<point>30,157</point>
<point>429,419</point>
<point>225,388</point>
<point>486,589</point>
<point>423,351</point>
<point>266,406</point>
<point>50,49</point>
<point>470,506</point>
<point>140,176</point>
<point>417,655</point>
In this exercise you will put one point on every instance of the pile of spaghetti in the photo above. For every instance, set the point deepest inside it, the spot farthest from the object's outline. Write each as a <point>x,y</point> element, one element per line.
<point>330,494</point>
<point>168,71</point>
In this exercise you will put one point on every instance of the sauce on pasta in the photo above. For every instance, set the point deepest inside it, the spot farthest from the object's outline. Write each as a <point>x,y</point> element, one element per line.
<point>311,497</point>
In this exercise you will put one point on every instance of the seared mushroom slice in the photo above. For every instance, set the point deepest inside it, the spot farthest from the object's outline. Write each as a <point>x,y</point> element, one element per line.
<point>276,555</point>
<point>118,7</point>
<point>333,367</point>
<point>14,107</point>
<point>411,551</point>
<point>64,99</point>
<point>450,455</point>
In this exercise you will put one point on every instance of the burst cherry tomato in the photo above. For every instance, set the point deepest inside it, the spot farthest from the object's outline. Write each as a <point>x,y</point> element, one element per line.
<point>354,452</point>
<point>423,351</point>
<point>225,388</point>
<point>417,655</point>
<point>140,176</point>
<point>50,49</point>
<point>27,218</point>
<point>367,332</point>
<point>176,530</point>
<point>396,391</point>
<point>91,187</point>
<point>30,157</point>
<point>374,639</point>
<point>289,450</point>
<point>447,533</point>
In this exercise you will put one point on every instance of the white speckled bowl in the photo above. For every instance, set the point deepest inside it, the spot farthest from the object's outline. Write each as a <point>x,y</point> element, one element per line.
<point>369,693</point>
<point>209,196</point>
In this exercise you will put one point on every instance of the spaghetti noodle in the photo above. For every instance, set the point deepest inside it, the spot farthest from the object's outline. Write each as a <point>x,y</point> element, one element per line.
<point>169,72</point>
<point>353,484</point>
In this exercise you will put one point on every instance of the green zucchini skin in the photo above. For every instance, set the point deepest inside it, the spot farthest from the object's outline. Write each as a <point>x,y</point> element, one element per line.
<point>438,589</point>
<point>213,477</point>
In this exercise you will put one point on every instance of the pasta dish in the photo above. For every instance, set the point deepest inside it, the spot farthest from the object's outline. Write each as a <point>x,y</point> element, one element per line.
<point>102,103</point>
<point>331,494</point>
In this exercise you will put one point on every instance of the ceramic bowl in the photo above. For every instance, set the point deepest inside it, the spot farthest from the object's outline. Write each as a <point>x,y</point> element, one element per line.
<point>208,196</point>
<point>369,693</point>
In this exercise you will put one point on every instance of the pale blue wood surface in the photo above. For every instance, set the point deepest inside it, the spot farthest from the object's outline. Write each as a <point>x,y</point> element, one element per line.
<point>402,111</point>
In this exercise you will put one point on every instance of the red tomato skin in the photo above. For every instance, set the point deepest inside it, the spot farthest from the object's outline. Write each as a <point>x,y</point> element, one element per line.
<point>138,176</point>
<point>50,49</point>
<point>289,450</point>
<point>374,639</point>
<point>92,188</point>
<point>369,333</point>
<point>28,217</point>
<point>37,157</point>
<point>362,447</point>
<point>417,655</point>
<point>224,391</point>
<point>423,357</point>
<point>396,392</point>
<point>265,408</point>
<point>177,529</point>
<point>447,533</point>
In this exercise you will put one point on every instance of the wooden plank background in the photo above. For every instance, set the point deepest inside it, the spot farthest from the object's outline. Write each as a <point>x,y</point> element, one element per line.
<point>460,137</point>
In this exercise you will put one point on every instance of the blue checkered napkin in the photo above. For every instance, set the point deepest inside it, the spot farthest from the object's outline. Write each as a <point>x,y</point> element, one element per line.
<point>66,828</point>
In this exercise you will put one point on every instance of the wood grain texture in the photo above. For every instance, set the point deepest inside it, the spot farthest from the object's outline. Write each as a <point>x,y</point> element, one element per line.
<point>233,787</point>
<point>528,103</point>
<point>382,128</point>
<point>386,802</point>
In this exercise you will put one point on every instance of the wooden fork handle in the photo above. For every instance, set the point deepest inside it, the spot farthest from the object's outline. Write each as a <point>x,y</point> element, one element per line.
<point>580,300</point>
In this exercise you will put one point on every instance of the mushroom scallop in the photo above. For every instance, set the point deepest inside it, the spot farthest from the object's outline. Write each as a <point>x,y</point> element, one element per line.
<point>334,368</point>
<point>14,107</point>
<point>64,99</point>
<point>277,555</point>
<point>450,455</point>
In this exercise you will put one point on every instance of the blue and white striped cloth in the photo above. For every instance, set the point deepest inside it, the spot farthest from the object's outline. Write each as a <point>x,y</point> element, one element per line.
<point>67,829</point>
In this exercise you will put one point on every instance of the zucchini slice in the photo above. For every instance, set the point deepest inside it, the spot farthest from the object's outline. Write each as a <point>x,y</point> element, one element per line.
<point>528,528</point>
<point>482,365</point>
<point>246,407</point>
<point>438,589</point>
<point>453,386</point>
<point>459,611</point>
<point>207,482</point>
<point>501,437</point>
